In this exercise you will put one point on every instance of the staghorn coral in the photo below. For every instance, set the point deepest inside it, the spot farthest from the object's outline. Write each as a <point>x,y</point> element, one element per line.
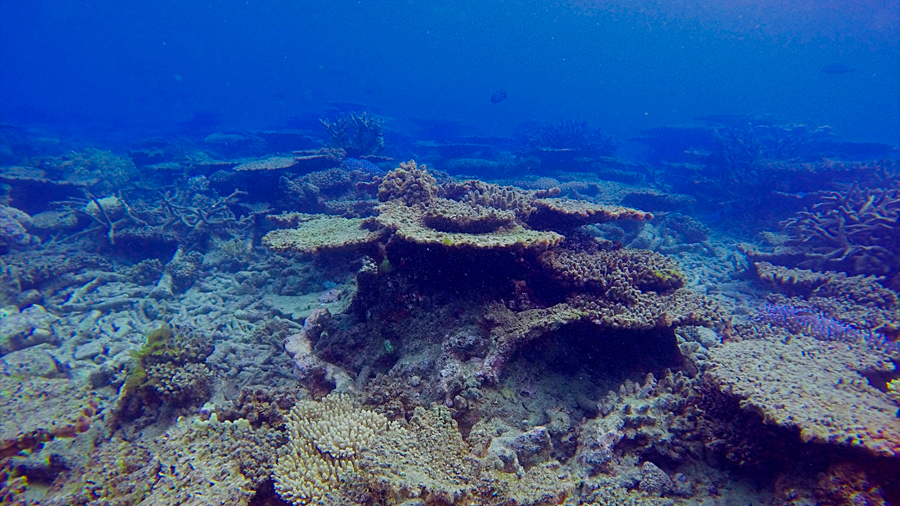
<point>856,232</point>
<point>324,234</point>
<point>358,134</point>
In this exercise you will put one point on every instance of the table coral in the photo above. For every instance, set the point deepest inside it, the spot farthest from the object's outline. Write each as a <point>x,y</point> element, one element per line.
<point>450,216</point>
<point>410,224</point>
<point>814,387</point>
<point>271,163</point>
<point>565,214</point>
<point>323,234</point>
<point>618,273</point>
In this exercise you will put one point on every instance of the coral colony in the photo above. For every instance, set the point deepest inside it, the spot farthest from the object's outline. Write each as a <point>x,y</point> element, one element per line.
<point>332,318</point>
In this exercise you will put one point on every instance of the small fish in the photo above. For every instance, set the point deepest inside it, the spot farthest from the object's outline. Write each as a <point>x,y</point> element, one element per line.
<point>498,96</point>
<point>837,69</point>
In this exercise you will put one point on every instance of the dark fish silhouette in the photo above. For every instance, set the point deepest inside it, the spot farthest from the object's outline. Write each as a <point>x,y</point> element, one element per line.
<point>498,96</point>
<point>837,69</point>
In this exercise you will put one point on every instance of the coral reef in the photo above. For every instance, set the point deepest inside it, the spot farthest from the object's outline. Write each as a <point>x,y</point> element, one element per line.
<point>855,232</point>
<point>237,323</point>
<point>578,137</point>
<point>324,234</point>
<point>817,388</point>
<point>358,134</point>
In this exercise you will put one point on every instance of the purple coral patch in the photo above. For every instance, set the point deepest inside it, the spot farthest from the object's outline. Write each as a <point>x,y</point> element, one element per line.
<point>818,326</point>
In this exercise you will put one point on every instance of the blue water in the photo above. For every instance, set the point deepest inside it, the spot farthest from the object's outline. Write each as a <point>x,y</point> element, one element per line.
<point>113,68</point>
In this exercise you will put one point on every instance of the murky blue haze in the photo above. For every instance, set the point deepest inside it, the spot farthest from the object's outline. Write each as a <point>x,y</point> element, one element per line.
<point>111,66</point>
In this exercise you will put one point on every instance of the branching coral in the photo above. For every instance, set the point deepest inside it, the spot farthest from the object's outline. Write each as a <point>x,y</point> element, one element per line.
<point>408,183</point>
<point>326,443</point>
<point>856,231</point>
<point>358,134</point>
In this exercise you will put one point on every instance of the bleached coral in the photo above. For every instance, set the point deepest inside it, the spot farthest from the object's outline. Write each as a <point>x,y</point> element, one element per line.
<point>326,441</point>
